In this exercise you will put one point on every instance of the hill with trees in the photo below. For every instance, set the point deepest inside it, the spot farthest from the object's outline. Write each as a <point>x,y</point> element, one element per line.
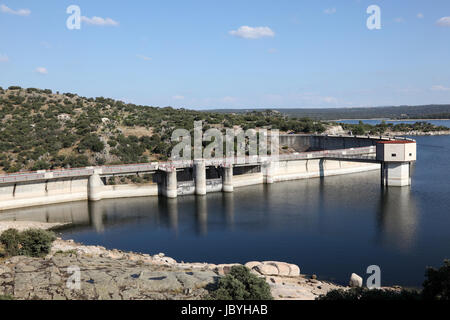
<point>45,130</point>
<point>397,112</point>
<point>40,129</point>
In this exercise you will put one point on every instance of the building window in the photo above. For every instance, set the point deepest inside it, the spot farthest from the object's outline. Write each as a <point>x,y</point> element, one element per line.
<point>410,154</point>
<point>394,155</point>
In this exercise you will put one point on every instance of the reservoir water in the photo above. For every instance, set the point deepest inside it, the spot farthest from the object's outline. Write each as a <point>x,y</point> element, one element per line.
<point>330,227</point>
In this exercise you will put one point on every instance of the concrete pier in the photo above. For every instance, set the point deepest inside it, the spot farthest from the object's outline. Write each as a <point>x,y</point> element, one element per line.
<point>170,188</point>
<point>268,169</point>
<point>227,178</point>
<point>200,177</point>
<point>396,174</point>
<point>95,187</point>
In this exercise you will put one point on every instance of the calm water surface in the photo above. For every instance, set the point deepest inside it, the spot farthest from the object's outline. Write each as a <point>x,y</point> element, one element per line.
<point>331,227</point>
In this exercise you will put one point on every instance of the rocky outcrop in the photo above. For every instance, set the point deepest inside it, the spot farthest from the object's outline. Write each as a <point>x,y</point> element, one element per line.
<point>100,278</point>
<point>355,281</point>
<point>273,268</point>
<point>115,274</point>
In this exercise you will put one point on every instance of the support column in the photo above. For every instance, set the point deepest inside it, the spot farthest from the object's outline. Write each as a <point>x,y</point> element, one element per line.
<point>396,174</point>
<point>268,172</point>
<point>95,187</point>
<point>227,178</point>
<point>171,188</point>
<point>200,177</point>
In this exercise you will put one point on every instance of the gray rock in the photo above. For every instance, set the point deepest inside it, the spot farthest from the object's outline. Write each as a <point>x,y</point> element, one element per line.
<point>355,281</point>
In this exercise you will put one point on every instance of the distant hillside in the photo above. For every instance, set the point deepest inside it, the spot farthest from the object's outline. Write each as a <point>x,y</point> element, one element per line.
<point>40,129</point>
<point>402,112</point>
<point>43,130</point>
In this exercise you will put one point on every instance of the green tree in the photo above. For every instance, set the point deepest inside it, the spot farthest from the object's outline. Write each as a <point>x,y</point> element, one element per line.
<point>241,284</point>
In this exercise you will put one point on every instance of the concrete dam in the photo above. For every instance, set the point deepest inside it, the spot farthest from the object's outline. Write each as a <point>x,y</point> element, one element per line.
<point>313,156</point>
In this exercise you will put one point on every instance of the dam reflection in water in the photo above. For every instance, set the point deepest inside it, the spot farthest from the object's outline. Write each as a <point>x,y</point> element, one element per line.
<point>397,218</point>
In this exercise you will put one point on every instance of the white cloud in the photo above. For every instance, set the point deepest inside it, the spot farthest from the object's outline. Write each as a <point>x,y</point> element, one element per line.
<point>330,11</point>
<point>443,22</point>
<point>440,88</point>
<point>178,97</point>
<point>141,56</point>
<point>98,21</point>
<point>420,15</point>
<point>41,70</point>
<point>20,12</point>
<point>247,32</point>
<point>4,58</point>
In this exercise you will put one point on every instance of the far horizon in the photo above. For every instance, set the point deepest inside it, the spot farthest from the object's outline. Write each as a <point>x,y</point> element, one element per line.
<point>208,55</point>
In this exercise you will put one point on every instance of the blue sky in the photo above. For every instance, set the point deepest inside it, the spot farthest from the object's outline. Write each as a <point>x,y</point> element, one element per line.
<point>231,54</point>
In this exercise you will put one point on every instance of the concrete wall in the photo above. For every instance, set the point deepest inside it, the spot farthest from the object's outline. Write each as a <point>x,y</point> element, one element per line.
<point>303,169</point>
<point>128,191</point>
<point>248,179</point>
<point>27,194</point>
<point>299,143</point>
<point>302,143</point>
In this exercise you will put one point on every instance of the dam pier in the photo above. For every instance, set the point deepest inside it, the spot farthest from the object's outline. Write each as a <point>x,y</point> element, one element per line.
<point>313,156</point>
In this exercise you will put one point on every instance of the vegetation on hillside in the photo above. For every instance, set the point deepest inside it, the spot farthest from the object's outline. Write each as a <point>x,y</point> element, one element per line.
<point>42,130</point>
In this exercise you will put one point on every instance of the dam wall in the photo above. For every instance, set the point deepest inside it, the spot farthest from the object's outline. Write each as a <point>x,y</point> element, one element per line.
<point>303,143</point>
<point>25,194</point>
<point>314,168</point>
<point>29,194</point>
<point>338,155</point>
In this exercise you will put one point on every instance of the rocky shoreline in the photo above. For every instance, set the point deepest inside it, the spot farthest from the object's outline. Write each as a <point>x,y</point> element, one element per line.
<point>115,274</point>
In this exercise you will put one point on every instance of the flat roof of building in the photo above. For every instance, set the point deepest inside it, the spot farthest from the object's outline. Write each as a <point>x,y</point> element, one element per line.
<point>396,142</point>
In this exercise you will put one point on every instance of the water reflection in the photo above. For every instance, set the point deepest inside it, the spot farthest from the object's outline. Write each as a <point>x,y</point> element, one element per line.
<point>322,206</point>
<point>228,207</point>
<point>172,213</point>
<point>397,218</point>
<point>201,215</point>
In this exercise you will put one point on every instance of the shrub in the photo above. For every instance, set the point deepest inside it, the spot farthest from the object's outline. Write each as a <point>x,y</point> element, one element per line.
<point>10,239</point>
<point>91,142</point>
<point>437,284</point>
<point>241,284</point>
<point>364,294</point>
<point>36,242</point>
<point>32,242</point>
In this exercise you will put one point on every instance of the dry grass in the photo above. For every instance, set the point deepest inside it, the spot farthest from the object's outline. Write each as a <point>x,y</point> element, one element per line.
<point>136,131</point>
